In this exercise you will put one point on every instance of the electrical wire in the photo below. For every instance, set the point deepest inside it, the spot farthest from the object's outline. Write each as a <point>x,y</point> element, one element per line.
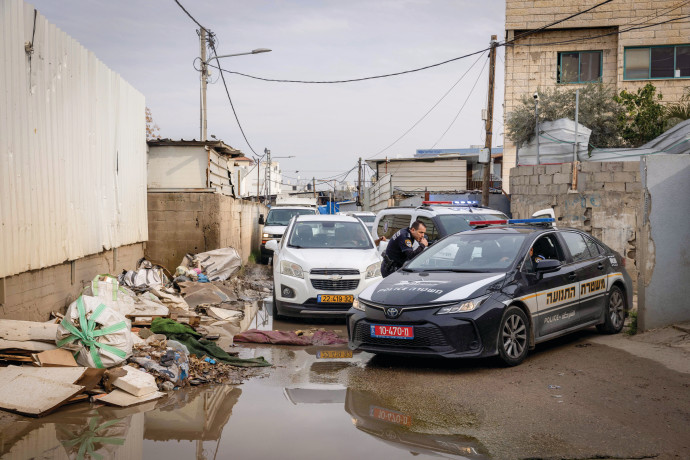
<point>428,111</point>
<point>462,107</point>
<point>617,32</point>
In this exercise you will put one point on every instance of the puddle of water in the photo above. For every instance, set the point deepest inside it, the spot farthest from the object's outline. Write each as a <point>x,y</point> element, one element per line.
<point>301,408</point>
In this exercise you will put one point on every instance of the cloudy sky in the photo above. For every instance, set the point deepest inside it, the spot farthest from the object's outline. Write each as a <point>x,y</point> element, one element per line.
<point>153,45</point>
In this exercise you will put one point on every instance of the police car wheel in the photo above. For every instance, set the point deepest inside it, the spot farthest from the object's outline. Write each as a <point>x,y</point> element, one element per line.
<point>615,312</point>
<point>513,336</point>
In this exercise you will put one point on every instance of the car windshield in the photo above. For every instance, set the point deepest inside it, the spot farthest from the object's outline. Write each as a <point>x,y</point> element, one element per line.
<point>454,223</point>
<point>366,219</point>
<point>470,252</point>
<point>329,234</point>
<point>277,216</point>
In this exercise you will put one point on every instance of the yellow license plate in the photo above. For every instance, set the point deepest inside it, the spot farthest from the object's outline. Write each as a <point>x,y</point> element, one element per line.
<point>334,354</point>
<point>326,298</point>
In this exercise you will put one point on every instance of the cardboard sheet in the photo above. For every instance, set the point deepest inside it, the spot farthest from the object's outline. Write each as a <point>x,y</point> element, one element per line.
<point>55,358</point>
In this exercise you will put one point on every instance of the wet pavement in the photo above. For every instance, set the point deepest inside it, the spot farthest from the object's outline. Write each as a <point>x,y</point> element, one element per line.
<point>571,399</point>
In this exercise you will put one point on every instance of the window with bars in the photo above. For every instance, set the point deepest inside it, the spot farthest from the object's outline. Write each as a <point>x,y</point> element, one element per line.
<point>579,66</point>
<point>654,62</point>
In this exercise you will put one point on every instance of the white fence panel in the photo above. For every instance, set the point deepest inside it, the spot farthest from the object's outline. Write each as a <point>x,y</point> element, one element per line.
<point>72,148</point>
<point>380,193</point>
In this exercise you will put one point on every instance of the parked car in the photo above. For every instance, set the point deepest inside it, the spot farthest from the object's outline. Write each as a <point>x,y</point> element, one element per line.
<point>441,218</point>
<point>276,222</point>
<point>494,291</point>
<point>321,264</point>
<point>365,216</point>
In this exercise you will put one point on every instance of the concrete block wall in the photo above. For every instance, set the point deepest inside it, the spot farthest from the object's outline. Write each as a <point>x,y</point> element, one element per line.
<point>606,204</point>
<point>32,295</point>
<point>193,222</point>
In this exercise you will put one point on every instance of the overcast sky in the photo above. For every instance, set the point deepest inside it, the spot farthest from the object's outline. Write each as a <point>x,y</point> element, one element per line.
<point>153,44</point>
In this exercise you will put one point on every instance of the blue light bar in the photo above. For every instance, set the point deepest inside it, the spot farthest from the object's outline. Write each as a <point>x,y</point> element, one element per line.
<point>543,220</point>
<point>466,203</point>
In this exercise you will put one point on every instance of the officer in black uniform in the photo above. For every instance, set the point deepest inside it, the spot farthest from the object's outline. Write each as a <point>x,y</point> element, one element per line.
<point>400,249</point>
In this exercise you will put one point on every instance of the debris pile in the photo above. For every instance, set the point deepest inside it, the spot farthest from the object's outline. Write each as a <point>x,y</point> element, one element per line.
<point>127,339</point>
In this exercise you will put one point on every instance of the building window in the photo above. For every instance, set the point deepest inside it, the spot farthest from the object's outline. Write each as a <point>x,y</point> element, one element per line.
<point>657,62</point>
<point>579,66</point>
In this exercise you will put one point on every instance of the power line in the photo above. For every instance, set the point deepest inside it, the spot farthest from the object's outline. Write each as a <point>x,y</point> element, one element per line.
<point>539,29</point>
<point>428,111</point>
<point>462,107</point>
<point>617,32</point>
<point>351,80</point>
<point>192,17</point>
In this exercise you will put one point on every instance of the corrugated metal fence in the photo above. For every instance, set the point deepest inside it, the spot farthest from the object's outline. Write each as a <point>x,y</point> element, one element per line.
<point>72,148</point>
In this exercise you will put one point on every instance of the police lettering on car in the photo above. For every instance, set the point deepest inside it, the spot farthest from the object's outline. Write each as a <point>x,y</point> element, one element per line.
<point>399,248</point>
<point>495,290</point>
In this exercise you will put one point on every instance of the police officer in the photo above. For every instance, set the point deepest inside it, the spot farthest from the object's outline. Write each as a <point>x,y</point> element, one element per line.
<point>400,249</point>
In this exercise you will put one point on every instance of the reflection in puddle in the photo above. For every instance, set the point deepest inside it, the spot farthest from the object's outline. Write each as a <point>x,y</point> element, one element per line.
<point>405,430</point>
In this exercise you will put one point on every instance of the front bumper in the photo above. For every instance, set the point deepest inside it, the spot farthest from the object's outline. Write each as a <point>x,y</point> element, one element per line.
<point>304,303</point>
<point>463,335</point>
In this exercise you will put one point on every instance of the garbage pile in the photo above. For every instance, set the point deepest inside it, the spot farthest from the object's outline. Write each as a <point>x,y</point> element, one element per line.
<point>127,339</point>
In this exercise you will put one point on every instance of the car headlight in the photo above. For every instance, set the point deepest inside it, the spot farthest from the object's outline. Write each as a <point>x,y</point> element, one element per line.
<point>266,235</point>
<point>465,305</point>
<point>291,269</point>
<point>374,270</point>
<point>356,305</point>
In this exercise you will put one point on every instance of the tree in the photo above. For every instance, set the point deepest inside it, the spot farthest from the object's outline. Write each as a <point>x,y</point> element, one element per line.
<point>644,116</point>
<point>678,111</point>
<point>152,129</point>
<point>598,111</point>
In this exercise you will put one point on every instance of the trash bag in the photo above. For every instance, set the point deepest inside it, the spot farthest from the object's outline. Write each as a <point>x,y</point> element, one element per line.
<point>100,335</point>
<point>217,265</point>
<point>107,288</point>
<point>99,439</point>
<point>145,276</point>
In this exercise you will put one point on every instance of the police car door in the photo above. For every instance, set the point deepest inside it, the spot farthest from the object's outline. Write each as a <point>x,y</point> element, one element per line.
<point>556,291</point>
<point>591,275</point>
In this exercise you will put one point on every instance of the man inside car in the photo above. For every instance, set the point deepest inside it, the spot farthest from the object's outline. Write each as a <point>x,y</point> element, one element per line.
<point>399,248</point>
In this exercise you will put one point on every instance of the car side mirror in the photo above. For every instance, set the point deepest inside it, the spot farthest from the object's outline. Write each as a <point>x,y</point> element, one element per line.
<point>261,219</point>
<point>272,245</point>
<point>548,265</point>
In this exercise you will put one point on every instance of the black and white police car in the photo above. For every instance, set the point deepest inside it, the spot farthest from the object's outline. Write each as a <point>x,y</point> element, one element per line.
<point>494,290</point>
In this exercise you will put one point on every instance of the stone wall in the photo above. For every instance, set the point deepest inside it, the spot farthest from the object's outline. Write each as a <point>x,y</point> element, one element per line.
<point>193,222</point>
<point>531,63</point>
<point>32,295</point>
<point>606,204</point>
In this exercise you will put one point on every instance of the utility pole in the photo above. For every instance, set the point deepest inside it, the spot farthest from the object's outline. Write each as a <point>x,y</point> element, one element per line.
<point>489,120</point>
<point>267,179</point>
<point>258,179</point>
<point>204,75</point>
<point>359,184</point>
<point>313,186</point>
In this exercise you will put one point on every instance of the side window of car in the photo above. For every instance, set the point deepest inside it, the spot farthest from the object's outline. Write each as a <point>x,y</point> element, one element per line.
<point>576,245</point>
<point>544,248</point>
<point>431,230</point>
<point>594,248</point>
<point>391,223</point>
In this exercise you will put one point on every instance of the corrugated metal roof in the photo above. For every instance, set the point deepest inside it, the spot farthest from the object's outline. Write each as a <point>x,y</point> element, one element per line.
<point>72,148</point>
<point>218,146</point>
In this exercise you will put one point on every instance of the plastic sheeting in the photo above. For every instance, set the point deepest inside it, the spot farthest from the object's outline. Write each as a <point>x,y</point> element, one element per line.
<point>555,143</point>
<point>674,141</point>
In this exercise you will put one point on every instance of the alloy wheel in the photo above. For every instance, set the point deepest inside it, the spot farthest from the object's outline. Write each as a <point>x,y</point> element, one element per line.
<point>616,310</point>
<point>514,336</point>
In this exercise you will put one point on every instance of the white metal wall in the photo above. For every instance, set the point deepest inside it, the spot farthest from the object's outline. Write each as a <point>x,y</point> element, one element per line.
<point>72,148</point>
<point>438,175</point>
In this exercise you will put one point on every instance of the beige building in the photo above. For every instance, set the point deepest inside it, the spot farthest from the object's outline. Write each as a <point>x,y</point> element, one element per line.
<point>625,43</point>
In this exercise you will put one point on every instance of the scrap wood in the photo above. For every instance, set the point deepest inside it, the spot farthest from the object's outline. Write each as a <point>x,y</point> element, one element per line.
<point>37,391</point>
<point>18,357</point>
<point>27,331</point>
<point>54,358</point>
<point>27,345</point>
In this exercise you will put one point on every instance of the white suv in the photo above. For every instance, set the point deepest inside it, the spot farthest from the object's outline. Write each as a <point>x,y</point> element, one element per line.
<point>440,219</point>
<point>321,264</point>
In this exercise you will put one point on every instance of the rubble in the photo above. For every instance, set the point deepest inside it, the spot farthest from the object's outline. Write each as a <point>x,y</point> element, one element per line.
<point>182,336</point>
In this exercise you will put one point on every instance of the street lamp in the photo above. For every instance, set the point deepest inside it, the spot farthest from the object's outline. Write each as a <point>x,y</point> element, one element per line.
<point>204,75</point>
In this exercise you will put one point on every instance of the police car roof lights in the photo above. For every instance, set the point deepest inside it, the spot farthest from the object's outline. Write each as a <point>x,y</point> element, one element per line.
<point>455,203</point>
<point>512,221</point>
